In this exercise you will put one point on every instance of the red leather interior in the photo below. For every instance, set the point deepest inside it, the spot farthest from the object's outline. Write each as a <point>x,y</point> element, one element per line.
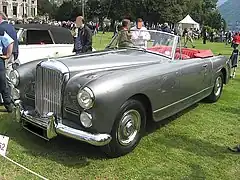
<point>204,54</point>
<point>184,56</point>
<point>187,53</point>
<point>161,49</point>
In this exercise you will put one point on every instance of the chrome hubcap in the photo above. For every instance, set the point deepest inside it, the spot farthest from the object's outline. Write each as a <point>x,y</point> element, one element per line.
<point>129,127</point>
<point>218,86</point>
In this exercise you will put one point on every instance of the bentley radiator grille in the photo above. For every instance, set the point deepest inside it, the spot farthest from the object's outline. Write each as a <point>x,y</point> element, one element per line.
<point>49,84</point>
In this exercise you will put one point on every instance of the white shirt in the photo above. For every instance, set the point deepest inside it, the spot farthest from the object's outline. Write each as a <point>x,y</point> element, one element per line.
<point>76,30</point>
<point>5,41</point>
<point>140,36</point>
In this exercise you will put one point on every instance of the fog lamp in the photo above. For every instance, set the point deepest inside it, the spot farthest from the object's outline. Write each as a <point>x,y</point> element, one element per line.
<point>86,119</point>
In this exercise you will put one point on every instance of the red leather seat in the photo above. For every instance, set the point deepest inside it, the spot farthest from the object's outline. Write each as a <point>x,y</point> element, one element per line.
<point>190,52</point>
<point>187,53</point>
<point>204,54</point>
<point>184,56</point>
<point>160,49</point>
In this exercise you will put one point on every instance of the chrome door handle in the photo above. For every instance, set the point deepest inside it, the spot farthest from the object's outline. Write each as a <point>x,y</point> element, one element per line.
<point>178,73</point>
<point>205,65</point>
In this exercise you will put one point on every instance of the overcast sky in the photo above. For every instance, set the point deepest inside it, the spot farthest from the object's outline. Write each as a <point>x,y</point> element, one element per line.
<point>220,2</point>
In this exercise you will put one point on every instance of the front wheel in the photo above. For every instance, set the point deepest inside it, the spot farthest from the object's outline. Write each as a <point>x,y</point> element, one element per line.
<point>217,89</point>
<point>127,130</point>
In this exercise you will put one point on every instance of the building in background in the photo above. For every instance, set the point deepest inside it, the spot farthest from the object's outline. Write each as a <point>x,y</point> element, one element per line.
<point>60,2</point>
<point>19,9</point>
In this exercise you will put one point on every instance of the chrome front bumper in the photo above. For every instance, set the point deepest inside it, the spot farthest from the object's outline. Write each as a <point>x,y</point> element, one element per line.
<point>53,128</point>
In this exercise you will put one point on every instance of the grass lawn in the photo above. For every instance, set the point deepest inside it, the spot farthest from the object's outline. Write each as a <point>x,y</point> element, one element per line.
<point>189,146</point>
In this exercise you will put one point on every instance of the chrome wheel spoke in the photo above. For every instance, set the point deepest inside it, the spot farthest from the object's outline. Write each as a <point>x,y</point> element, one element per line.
<point>218,86</point>
<point>129,127</point>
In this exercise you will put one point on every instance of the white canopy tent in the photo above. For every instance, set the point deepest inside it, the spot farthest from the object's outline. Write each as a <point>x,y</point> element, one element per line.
<point>188,22</point>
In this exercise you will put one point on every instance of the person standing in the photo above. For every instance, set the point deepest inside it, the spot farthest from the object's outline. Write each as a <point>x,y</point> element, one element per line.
<point>116,27</point>
<point>124,38</point>
<point>83,38</point>
<point>11,62</point>
<point>165,28</point>
<point>204,34</point>
<point>188,34</point>
<point>228,37</point>
<point>140,35</point>
<point>234,59</point>
<point>6,42</point>
<point>10,30</point>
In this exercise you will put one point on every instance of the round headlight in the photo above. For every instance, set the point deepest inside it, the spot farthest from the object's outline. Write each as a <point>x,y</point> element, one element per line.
<point>86,119</point>
<point>14,77</point>
<point>85,98</point>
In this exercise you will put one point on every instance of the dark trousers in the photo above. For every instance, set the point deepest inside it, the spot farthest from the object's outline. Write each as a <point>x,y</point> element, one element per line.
<point>4,88</point>
<point>204,40</point>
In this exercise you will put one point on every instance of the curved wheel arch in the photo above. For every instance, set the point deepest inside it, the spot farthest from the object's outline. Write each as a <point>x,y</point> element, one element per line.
<point>224,72</point>
<point>144,99</point>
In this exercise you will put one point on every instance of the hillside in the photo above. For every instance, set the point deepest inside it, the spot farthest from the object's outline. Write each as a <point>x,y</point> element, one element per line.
<point>230,11</point>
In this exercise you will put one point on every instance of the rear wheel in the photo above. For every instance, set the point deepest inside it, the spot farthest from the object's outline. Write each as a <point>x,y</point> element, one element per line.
<point>127,130</point>
<point>217,90</point>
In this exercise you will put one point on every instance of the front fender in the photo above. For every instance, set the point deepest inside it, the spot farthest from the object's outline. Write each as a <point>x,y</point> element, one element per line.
<point>27,73</point>
<point>221,63</point>
<point>111,90</point>
<point>71,108</point>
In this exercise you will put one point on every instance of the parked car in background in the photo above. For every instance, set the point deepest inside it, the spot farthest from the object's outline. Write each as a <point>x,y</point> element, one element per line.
<point>106,98</point>
<point>39,41</point>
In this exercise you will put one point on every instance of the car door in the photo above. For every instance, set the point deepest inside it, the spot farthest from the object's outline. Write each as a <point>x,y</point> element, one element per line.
<point>183,87</point>
<point>168,93</point>
<point>196,77</point>
<point>207,66</point>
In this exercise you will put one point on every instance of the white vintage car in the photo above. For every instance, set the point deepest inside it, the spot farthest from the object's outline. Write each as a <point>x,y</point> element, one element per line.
<point>37,41</point>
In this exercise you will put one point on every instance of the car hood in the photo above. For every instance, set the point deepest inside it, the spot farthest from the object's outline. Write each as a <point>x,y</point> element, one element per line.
<point>107,60</point>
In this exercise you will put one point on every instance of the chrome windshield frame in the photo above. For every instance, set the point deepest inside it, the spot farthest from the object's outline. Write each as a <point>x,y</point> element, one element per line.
<point>174,46</point>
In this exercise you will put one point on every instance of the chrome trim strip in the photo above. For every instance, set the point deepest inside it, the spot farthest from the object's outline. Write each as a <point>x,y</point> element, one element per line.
<point>90,54</point>
<point>94,139</point>
<point>174,47</point>
<point>55,65</point>
<point>165,107</point>
<point>72,111</point>
<point>38,121</point>
<point>114,68</point>
<point>53,128</point>
<point>53,40</point>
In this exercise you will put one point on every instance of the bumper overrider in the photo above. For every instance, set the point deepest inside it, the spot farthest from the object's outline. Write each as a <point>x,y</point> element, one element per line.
<point>53,127</point>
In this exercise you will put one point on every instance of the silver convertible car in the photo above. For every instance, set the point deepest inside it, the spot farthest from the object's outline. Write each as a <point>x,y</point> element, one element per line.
<point>106,98</point>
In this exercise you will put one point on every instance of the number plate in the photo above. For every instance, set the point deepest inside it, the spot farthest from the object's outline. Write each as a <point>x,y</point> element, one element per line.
<point>3,145</point>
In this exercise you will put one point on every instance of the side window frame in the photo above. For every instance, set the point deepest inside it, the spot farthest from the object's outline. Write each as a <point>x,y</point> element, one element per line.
<point>51,36</point>
<point>23,34</point>
<point>48,39</point>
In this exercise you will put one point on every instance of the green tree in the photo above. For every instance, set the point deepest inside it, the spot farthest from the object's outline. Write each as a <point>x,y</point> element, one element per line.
<point>214,20</point>
<point>65,11</point>
<point>153,11</point>
<point>44,7</point>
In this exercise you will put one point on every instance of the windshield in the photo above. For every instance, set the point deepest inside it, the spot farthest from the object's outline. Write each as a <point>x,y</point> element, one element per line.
<point>150,40</point>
